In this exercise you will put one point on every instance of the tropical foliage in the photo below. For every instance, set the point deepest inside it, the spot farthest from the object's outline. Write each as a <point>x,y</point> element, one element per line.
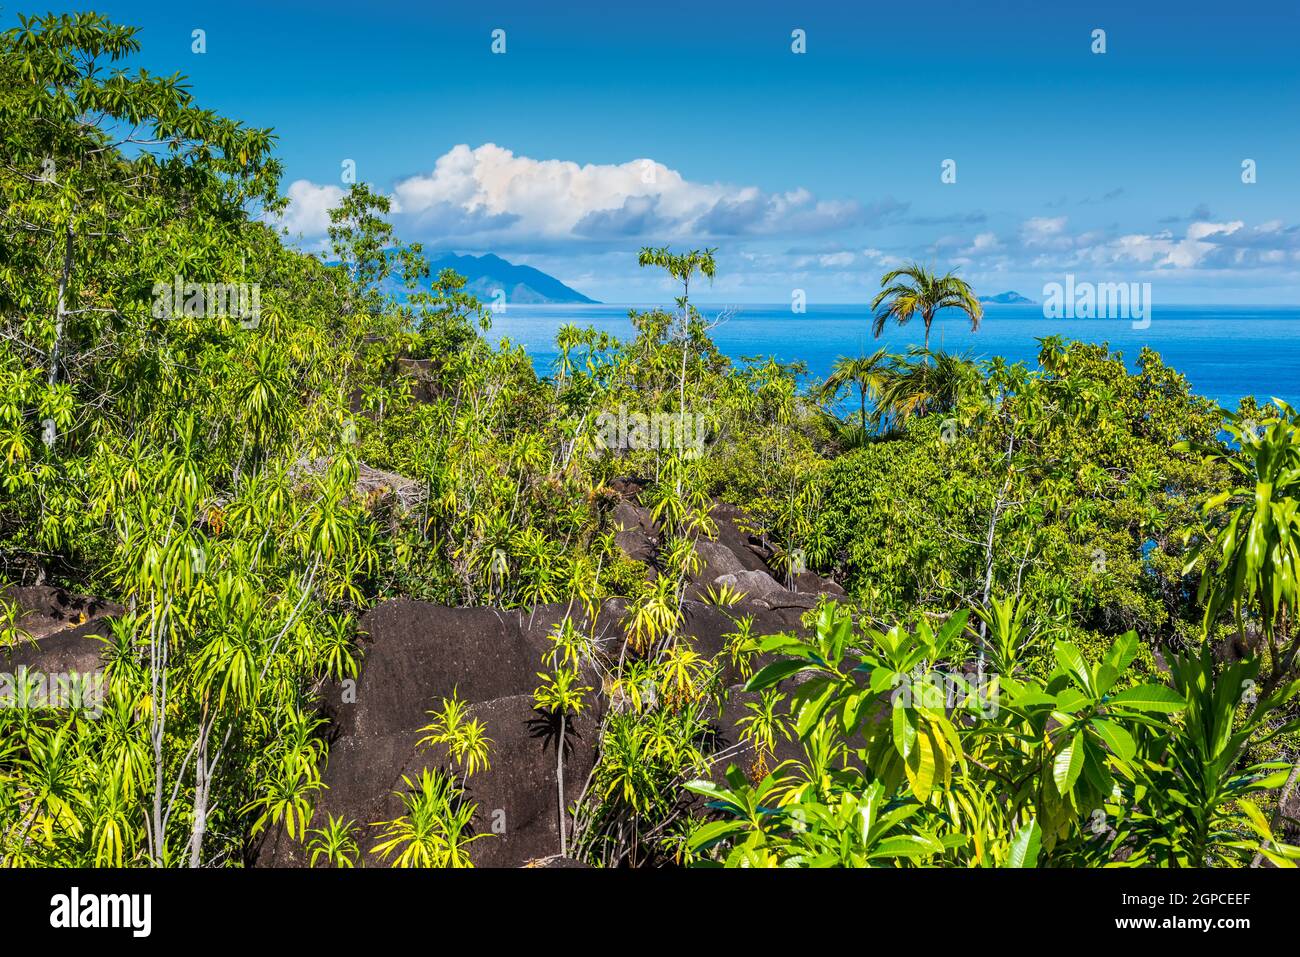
<point>1066,636</point>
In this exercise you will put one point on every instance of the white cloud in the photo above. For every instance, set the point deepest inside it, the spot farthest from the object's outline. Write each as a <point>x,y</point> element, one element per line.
<point>309,207</point>
<point>491,193</point>
<point>1045,231</point>
<point>1162,250</point>
<point>1046,243</point>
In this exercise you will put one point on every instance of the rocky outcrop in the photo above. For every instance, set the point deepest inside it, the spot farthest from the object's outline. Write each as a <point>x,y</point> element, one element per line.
<point>735,558</point>
<point>635,534</point>
<point>62,631</point>
<point>373,485</point>
<point>416,653</point>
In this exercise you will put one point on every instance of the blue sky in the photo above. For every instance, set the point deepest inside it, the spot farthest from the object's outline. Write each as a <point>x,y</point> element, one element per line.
<point>607,126</point>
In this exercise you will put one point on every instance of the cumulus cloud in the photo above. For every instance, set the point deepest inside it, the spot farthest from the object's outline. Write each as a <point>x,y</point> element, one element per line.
<point>491,193</point>
<point>1047,231</point>
<point>309,206</point>
<point>1047,243</point>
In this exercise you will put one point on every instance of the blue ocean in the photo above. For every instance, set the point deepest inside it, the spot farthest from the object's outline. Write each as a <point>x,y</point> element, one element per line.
<point>1225,352</point>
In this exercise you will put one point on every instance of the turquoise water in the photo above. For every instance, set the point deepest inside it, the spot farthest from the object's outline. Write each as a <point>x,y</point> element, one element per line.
<point>1225,352</point>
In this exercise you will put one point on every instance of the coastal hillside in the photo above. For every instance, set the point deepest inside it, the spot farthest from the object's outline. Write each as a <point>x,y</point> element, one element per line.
<point>488,276</point>
<point>300,566</point>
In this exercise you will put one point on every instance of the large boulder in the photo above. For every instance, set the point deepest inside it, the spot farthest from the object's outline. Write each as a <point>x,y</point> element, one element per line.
<point>736,556</point>
<point>59,661</point>
<point>63,631</point>
<point>516,794</point>
<point>734,534</point>
<point>635,532</point>
<point>416,654</point>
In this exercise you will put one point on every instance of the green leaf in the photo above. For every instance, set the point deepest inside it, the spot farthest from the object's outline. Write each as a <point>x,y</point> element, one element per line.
<point>1072,662</point>
<point>1150,697</point>
<point>715,831</point>
<point>907,845</point>
<point>775,672</point>
<point>1068,764</point>
<point>1025,845</point>
<point>1117,660</point>
<point>1116,737</point>
<point>904,731</point>
<point>813,710</point>
<point>920,766</point>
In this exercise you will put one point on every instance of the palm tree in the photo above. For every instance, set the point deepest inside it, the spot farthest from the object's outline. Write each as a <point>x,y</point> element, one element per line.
<point>923,383</point>
<point>864,372</point>
<point>922,292</point>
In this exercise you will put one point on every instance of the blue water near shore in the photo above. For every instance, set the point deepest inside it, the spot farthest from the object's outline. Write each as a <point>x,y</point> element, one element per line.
<point>1225,352</point>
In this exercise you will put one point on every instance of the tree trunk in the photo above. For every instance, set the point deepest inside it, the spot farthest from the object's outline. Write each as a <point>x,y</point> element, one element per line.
<point>994,513</point>
<point>60,315</point>
<point>559,782</point>
<point>201,784</point>
<point>61,310</point>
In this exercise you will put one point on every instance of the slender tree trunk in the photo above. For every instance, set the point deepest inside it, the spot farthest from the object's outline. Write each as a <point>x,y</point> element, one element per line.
<point>60,317</point>
<point>61,311</point>
<point>157,728</point>
<point>559,782</point>
<point>200,799</point>
<point>994,513</point>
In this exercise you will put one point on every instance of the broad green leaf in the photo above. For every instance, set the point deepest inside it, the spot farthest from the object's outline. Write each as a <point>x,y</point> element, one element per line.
<point>1072,662</point>
<point>1025,845</point>
<point>1068,764</point>
<point>775,672</point>
<point>1116,737</point>
<point>920,766</point>
<point>904,728</point>
<point>1150,697</point>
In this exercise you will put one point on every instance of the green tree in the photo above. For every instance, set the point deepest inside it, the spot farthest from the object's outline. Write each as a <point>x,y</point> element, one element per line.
<point>915,290</point>
<point>864,373</point>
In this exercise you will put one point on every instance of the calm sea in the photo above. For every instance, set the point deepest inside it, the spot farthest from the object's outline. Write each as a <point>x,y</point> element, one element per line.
<point>1225,352</point>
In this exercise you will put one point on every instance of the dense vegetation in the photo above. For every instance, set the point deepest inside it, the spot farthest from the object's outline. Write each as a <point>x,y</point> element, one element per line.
<point>1067,633</point>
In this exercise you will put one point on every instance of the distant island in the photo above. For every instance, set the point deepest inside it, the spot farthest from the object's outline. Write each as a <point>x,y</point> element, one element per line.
<point>1007,299</point>
<point>521,284</point>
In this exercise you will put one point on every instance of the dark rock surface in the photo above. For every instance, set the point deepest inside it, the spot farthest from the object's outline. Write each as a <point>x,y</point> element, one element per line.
<point>374,486</point>
<point>63,629</point>
<point>416,653</point>
<point>637,536</point>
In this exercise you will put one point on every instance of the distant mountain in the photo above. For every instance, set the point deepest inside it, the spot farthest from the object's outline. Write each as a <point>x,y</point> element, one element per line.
<point>521,284</point>
<point>1007,299</point>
